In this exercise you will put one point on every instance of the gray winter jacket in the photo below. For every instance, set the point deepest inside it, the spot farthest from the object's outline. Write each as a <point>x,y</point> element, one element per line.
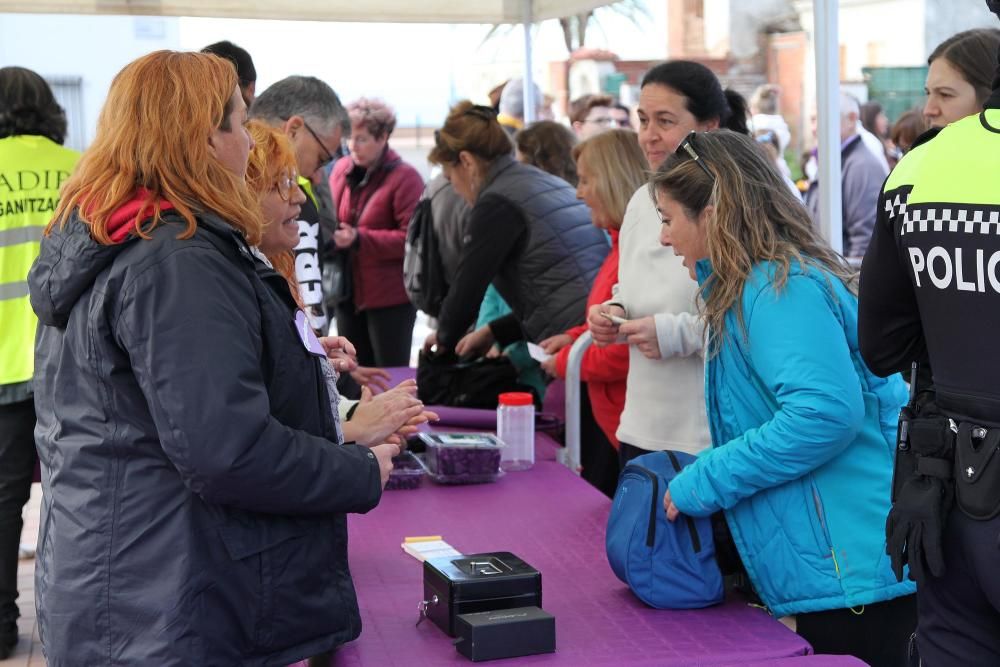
<point>193,491</point>
<point>450,214</point>
<point>862,175</point>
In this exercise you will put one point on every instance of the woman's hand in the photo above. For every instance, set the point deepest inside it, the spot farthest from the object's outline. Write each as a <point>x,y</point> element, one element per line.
<point>475,344</point>
<point>340,352</point>
<point>345,236</point>
<point>373,378</point>
<point>412,426</point>
<point>669,507</point>
<point>384,454</point>
<point>553,344</point>
<point>376,418</point>
<point>603,330</point>
<point>550,367</point>
<point>642,334</point>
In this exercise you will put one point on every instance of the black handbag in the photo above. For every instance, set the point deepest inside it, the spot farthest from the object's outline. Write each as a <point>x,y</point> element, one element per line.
<point>338,286</point>
<point>445,379</point>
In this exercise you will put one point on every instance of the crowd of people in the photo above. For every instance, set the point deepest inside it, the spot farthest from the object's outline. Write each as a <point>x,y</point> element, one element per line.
<point>202,436</point>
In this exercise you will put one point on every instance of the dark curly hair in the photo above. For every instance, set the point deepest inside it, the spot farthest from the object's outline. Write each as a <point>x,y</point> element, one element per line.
<point>27,106</point>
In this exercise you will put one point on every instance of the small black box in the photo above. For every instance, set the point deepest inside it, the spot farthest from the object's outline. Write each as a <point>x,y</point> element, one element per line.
<point>480,582</point>
<point>508,633</point>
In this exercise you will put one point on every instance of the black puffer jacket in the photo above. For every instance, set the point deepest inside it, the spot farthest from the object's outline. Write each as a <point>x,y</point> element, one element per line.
<point>533,239</point>
<point>194,493</point>
<point>548,285</point>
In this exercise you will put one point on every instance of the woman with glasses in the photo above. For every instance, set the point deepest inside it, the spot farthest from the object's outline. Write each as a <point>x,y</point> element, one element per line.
<point>803,433</point>
<point>664,409</point>
<point>195,494</point>
<point>527,234</point>
<point>271,176</point>
<point>374,193</point>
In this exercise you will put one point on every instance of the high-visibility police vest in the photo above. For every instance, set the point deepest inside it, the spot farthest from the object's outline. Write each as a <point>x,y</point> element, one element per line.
<point>32,169</point>
<point>942,205</point>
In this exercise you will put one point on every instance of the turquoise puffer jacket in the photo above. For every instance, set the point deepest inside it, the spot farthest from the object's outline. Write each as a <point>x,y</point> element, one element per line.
<point>802,453</point>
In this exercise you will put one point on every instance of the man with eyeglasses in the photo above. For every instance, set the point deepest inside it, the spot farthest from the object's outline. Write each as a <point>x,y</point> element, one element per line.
<point>313,118</point>
<point>591,114</point>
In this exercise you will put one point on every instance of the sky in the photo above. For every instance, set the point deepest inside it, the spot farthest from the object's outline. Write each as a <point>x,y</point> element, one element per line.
<point>418,68</point>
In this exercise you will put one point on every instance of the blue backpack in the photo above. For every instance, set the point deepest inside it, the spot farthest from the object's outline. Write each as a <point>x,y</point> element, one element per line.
<point>667,565</point>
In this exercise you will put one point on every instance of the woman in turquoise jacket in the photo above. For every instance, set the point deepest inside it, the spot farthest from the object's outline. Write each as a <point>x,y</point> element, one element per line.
<point>802,432</point>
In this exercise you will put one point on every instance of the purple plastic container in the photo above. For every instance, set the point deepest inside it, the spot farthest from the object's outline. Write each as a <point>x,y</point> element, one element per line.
<point>406,472</point>
<point>462,458</point>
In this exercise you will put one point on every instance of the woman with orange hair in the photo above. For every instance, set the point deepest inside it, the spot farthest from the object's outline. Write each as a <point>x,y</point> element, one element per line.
<point>272,177</point>
<point>194,490</point>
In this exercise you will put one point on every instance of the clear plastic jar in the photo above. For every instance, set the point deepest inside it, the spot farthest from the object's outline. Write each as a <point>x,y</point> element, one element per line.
<point>516,428</point>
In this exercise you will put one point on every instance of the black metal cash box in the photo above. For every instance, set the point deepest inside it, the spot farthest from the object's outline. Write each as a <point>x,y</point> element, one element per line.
<point>480,582</point>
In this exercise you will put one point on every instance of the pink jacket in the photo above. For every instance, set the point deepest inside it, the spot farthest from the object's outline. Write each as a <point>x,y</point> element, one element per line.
<point>379,203</point>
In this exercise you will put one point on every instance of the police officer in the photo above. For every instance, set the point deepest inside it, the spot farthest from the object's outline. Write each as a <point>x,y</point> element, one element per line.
<point>930,297</point>
<point>33,164</point>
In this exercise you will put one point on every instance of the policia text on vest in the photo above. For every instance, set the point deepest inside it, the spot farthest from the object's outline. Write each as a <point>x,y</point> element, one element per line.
<point>951,267</point>
<point>930,294</point>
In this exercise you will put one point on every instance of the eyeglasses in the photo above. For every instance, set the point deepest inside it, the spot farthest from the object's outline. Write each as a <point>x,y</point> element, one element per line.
<point>327,156</point>
<point>603,121</point>
<point>286,185</point>
<point>687,147</point>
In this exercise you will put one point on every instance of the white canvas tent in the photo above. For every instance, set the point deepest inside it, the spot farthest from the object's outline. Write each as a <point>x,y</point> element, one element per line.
<point>525,12</point>
<point>366,11</point>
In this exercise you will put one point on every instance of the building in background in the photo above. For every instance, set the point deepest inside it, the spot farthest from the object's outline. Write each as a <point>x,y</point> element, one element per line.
<point>80,55</point>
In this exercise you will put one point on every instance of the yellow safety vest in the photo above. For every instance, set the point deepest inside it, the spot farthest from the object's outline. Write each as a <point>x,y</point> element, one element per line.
<point>931,167</point>
<point>32,169</point>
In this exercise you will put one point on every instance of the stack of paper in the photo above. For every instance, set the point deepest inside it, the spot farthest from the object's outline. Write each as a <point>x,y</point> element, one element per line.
<point>430,546</point>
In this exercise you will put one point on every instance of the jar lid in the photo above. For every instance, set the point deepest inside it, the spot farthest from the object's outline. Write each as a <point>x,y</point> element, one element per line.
<point>516,398</point>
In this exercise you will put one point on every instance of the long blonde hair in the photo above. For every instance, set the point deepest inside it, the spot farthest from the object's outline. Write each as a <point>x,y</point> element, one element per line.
<point>617,161</point>
<point>756,219</point>
<point>153,133</point>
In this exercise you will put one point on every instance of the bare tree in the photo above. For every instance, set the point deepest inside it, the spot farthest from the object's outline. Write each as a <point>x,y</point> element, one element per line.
<point>575,27</point>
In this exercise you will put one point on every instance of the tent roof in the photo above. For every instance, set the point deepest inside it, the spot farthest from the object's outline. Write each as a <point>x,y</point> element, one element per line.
<point>384,11</point>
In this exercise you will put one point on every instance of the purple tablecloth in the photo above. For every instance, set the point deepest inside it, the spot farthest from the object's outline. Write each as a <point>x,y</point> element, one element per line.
<point>810,661</point>
<point>556,522</point>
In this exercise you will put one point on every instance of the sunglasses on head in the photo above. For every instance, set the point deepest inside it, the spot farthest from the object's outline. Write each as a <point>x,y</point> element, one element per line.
<point>687,149</point>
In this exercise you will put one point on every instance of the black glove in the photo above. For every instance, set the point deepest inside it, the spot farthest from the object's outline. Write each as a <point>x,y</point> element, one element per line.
<point>915,527</point>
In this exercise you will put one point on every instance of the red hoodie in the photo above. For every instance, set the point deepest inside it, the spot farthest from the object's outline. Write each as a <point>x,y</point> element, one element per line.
<point>604,369</point>
<point>125,220</point>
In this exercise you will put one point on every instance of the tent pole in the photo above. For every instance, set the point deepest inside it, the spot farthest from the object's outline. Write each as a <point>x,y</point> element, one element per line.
<point>530,103</point>
<point>825,31</point>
